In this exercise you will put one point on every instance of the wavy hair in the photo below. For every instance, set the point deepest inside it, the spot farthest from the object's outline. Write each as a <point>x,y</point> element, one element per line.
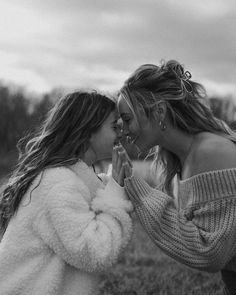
<point>61,140</point>
<point>187,107</point>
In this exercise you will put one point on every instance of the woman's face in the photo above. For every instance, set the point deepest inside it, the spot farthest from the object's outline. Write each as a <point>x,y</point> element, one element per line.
<point>138,127</point>
<point>103,140</point>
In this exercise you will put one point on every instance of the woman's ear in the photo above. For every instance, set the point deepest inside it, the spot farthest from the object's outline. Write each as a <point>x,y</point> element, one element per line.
<point>161,110</point>
<point>143,117</point>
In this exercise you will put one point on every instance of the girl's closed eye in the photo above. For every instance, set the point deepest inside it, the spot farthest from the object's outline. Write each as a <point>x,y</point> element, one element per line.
<point>116,126</point>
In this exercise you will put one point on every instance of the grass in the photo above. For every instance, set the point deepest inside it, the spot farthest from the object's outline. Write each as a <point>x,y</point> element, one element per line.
<point>143,269</point>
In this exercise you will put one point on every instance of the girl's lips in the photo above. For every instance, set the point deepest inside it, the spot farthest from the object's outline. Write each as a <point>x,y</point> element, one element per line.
<point>116,142</point>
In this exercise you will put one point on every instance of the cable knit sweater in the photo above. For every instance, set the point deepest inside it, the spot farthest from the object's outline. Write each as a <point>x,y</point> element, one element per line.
<point>69,230</point>
<point>201,230</point>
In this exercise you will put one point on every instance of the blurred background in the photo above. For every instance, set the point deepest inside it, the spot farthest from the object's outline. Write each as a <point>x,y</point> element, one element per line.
<point>50,47</point>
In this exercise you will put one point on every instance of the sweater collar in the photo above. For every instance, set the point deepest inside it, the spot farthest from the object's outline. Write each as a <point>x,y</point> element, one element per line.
<point>209,186</point>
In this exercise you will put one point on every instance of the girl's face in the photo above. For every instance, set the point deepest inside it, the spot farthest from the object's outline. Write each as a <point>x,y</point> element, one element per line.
<point>138,127</point>
<point>103,140</point>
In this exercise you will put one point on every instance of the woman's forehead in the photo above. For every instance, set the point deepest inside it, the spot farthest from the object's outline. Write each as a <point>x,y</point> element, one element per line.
<point>123,106</point>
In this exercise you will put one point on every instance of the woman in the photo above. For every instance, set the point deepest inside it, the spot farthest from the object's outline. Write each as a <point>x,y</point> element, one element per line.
<point>62,226</point>
<point>162,107</point>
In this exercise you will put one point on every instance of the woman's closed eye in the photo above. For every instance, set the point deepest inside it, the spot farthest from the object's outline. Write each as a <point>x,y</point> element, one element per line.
<point>126,120</point>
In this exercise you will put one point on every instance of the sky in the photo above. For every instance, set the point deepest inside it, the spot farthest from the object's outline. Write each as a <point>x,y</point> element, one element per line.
<point>46,44</point>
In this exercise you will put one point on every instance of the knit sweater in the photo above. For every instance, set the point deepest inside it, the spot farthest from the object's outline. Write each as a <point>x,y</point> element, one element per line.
<point>200,231</point>
<point>65,234</point>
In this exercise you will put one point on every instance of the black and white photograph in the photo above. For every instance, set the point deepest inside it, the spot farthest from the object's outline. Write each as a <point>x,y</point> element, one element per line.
<point>117,147</point>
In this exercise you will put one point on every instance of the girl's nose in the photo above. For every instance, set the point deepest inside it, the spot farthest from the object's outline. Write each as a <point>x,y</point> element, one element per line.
<point>119,128</point>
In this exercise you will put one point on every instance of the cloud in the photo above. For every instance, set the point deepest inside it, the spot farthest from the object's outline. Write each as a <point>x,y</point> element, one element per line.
<point>74,42</point>
<point>25,77</point>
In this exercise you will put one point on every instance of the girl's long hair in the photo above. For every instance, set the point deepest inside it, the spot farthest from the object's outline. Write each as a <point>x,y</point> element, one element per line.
<point>187,107</point>
<point>62,139</point>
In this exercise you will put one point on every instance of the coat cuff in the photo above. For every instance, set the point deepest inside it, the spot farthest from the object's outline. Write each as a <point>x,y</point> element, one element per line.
<point>112,197</point>
<point>114,189</point>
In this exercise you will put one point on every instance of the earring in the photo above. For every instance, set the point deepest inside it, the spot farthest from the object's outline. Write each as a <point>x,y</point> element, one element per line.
<point>162,126</point>
<point>128,139</point>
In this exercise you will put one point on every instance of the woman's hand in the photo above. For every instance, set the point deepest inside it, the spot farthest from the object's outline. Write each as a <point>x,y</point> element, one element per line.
<point>121,165</point>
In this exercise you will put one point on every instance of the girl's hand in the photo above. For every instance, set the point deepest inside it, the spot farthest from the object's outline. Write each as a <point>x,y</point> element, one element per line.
<point>121,165</point>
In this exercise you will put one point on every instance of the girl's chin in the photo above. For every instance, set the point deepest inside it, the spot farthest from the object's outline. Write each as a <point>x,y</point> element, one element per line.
<point>104,157</point>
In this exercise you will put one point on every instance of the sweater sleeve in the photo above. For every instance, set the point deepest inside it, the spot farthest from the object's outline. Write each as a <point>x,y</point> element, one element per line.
<point>202,237</point>
<point>87,236</point>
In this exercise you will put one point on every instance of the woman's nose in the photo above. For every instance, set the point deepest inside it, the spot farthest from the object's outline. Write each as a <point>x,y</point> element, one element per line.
<point>125,132</point>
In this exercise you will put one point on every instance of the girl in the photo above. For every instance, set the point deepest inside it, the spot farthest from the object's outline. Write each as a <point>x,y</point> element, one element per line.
<point>161,106</point>
<point>62,226</point>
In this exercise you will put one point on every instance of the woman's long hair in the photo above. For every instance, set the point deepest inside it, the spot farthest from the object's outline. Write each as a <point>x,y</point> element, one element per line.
<point>62,139</point>
<point>186,104</point>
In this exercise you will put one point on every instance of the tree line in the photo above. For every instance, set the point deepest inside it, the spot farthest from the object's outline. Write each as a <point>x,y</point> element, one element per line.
<point>20,115</point>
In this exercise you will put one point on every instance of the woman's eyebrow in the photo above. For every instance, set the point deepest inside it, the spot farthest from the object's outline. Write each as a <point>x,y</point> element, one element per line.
<point>125,114</point>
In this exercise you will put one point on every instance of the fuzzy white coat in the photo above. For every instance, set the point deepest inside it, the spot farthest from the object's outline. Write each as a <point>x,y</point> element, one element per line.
<point>71,229</point>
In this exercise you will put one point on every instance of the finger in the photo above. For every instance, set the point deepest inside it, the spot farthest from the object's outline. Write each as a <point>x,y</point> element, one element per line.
<point>121,175</point>
<point>118,158</point>
<point>114,157</point>
<point>119,161</point>
<point>122,158</point>
<point>125,158</point>
<point>128,159</point>
<point>122,149</point>
<point>128,170</point>
<point>115,171</point>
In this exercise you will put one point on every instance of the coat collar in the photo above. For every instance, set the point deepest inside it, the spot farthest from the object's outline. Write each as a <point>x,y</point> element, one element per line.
<point>87,175</point>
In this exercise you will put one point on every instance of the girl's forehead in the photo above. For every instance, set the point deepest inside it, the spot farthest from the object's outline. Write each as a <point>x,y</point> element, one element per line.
<point>116,114</point>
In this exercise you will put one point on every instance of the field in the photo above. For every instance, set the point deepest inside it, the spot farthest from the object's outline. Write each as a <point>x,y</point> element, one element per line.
<point>145,270</point>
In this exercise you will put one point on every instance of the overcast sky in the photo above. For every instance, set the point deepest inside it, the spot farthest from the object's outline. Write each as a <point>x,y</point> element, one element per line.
<point>98,44</point>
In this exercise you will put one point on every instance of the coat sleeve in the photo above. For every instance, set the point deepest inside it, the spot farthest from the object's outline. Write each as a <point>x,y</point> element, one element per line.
<point>87,236</point>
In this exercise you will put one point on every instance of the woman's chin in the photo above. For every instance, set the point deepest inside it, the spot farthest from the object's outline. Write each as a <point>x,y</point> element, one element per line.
<point>138,146</point>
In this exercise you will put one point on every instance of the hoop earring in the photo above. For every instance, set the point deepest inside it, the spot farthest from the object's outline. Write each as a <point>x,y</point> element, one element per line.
<point>162,126</point>
<point>128,139</point>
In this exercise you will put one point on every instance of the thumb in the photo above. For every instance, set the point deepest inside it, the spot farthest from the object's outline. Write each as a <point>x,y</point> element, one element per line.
<point>128,171</point>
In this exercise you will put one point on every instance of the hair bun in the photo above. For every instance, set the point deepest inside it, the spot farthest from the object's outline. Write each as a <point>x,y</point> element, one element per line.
<point>176,68</point>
